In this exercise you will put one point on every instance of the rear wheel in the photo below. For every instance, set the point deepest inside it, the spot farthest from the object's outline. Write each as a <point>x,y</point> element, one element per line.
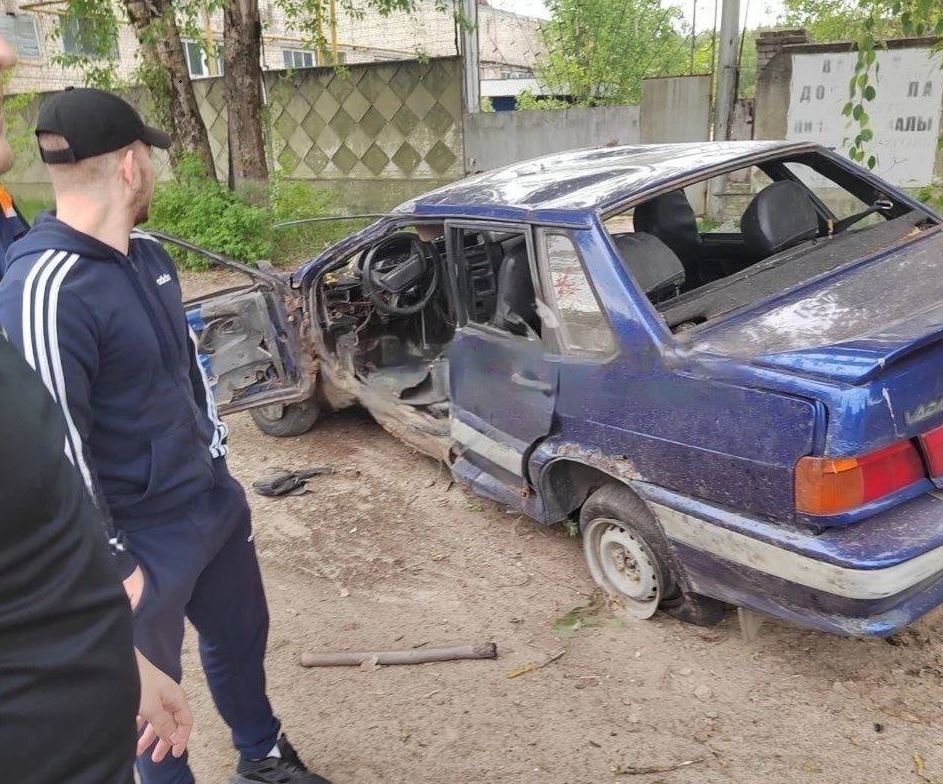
<point>629,557</point>
<point>283,421</point>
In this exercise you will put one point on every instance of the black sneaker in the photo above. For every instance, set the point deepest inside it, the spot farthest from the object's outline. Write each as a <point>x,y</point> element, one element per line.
<point>287,769</point>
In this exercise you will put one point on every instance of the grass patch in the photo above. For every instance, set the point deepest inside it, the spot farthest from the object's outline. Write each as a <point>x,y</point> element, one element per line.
<point>241,224</point>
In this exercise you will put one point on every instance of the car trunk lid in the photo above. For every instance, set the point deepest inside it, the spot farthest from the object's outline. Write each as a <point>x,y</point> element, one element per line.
<point>848,326</point>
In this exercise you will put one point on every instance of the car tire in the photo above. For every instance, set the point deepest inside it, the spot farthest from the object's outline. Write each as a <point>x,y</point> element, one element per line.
<point>284,421</point>
<point>629,557</point>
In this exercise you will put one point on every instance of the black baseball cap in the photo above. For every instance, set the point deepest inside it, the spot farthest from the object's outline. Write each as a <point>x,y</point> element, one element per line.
<point>93,122</point>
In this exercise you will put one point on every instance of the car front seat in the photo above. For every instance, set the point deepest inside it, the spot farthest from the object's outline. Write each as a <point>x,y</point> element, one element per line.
<point>780,217</point>
<point>671,219</point>
<point>655,267</point>
<point>516,308</point>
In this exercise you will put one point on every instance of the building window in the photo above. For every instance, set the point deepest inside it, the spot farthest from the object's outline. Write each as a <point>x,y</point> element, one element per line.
<point>298,58</point>
<point>20,31</point>
<point>198,63</point>
<point>80,37</point>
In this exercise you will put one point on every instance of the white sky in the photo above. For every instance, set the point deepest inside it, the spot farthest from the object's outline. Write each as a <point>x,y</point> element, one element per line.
<point>754,12</point>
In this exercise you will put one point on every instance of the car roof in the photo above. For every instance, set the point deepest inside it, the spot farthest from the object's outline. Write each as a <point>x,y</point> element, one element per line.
<point>582,181</point>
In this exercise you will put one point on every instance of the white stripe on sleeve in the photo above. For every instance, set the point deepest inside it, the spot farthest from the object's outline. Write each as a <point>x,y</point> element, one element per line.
<point>72,434</point>
<point>218,446</point>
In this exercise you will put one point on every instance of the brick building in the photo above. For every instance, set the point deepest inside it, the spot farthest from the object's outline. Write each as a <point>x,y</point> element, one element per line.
<point>509,43</point>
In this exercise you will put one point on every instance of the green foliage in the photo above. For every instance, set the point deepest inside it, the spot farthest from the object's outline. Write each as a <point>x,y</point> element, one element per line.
<point>294,200</point>
<point>838,20</point>
<point>746,85</point>
<point>932,196</point>
<point>30,208</point>
<point>598,51</point>
<point>313,17</point>
<point>572,527</point>
<point>18,114</point>
<point>202,211</point>
<point>94,27</point>
<point>156,82</point>
<point>598,611</point>
<point>916,18</point>
<point>528,102</point>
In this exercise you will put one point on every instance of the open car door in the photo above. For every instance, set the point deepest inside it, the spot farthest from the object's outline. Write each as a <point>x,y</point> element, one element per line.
<point>248,337</point>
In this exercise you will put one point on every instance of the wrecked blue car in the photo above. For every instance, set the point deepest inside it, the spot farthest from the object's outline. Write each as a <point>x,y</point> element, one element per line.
<point>743,411</point>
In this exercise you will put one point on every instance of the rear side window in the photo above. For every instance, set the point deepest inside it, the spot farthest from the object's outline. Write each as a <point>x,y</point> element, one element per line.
<point>583,324</point>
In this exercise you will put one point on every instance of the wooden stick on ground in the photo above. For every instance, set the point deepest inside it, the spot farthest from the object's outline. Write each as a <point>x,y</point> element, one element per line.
<point>486,650</point>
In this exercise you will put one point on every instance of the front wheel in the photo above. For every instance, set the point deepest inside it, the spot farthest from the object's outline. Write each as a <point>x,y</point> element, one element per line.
<point>629,558</point>
<point>284,421</point>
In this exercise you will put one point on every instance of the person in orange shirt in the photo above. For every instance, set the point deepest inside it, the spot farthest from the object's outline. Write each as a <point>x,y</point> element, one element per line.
<point>12,223</point>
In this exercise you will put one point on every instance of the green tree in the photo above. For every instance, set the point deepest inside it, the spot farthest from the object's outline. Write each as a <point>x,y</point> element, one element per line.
<point>839,20</point>
<point>526,101</point>
<point>598,51</point>
<point>93,26</point>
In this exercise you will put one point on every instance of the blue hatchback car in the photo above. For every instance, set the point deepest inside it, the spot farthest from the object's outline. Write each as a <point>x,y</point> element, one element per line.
<point>746,413</point>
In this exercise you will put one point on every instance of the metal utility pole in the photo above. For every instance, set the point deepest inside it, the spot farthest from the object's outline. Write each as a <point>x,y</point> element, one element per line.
<point>727,62</point>
<point>470,56</point>
<point>693,34</point>
<point>727,69</point>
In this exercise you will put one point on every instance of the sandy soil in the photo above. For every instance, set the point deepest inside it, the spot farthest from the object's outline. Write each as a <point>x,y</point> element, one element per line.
<point>387,552</point>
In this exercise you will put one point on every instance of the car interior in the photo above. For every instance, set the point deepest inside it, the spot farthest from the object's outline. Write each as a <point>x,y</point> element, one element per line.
<point>387,319</point>
<point>787,234</point>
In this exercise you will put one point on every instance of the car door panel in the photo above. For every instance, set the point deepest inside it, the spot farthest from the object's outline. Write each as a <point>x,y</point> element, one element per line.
<point>247,343</point>
<point>503,392</point>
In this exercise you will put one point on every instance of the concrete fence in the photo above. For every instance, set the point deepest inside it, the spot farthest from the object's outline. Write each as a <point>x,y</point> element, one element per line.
<point>380,133</point>
<point>494,139</point>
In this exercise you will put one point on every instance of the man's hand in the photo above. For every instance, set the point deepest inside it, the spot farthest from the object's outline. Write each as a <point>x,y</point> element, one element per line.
<point>134,587</point>
<point>163,713</point>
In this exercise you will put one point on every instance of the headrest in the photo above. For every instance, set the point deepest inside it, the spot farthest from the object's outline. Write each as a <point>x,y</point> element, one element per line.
<point>652,263</point>
<point>780,216</point>
<point>671,219</point>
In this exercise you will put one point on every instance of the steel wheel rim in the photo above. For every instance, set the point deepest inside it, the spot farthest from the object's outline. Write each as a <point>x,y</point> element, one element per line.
<point>622,563</point>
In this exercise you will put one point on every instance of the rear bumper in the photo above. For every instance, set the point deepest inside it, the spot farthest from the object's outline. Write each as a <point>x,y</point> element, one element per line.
<point>869,579</point>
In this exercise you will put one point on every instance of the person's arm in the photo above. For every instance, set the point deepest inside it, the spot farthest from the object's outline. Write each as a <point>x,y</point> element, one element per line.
<point>163,715</point>
<point>58,337</point>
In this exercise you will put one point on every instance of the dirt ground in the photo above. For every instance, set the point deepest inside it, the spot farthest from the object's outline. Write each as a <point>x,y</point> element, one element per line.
<point>387,552</point>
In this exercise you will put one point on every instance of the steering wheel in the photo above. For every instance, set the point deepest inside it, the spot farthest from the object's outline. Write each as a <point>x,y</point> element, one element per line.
<point>400,274</point>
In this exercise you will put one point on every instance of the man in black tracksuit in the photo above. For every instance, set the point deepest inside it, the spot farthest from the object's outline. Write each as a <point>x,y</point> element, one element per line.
<point>95,307</point>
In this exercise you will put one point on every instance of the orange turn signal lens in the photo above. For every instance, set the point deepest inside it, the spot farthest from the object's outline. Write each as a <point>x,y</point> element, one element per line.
<point>830,486</point>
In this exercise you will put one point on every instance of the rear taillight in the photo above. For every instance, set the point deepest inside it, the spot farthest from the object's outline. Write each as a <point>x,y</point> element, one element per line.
<point>932,443</point>
<point>832,486</point>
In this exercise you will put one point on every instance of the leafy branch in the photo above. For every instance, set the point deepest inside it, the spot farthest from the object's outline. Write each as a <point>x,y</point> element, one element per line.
<point>917,18</point>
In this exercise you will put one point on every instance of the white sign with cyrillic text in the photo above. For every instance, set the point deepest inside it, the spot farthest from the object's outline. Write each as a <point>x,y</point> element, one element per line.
<point>904,115</point>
